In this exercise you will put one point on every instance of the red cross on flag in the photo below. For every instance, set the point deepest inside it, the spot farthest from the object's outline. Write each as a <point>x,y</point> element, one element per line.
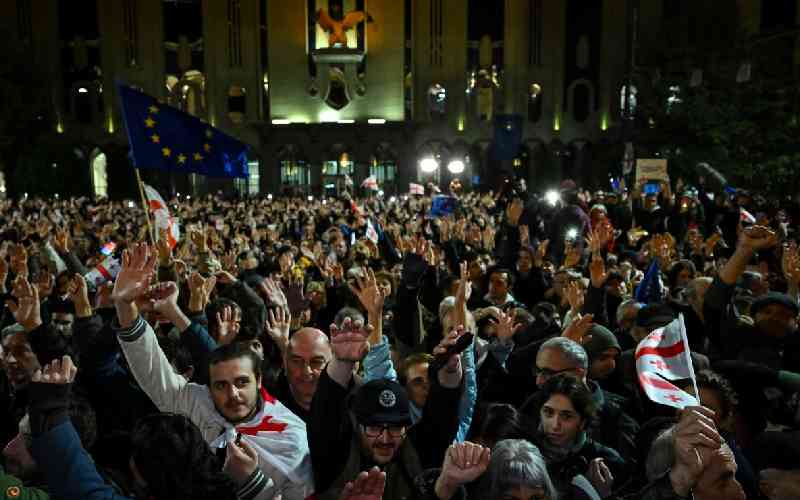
<point>161,216</point>
<point>662,356</point>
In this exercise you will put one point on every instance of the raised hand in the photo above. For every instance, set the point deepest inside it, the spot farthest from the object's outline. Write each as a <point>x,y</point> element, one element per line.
<point>575,296</point>
<point>45,284</point>
<point>597,271</point>
<point>78,293</point>
<point>758,238</point>
<point>505,327</point>
<point>200,290</point>
<point>59,371</point>
<point>695,438</point>
<point>227,327</point>
<point>463,464</point>
<point>138,269</point>
<point>19,260</point>
<point>349,343</point>
<point>790,264</point>
<point>600,477</point>
<point>368,485</point>
<point>164,250</point>
<point>368,293</point>
<point>198,237</point>
<point>578,329</point>
<point>524,235</point>
<point>26,310</point>
<point>229,262</point>
<point>274,294</point>
<point>453,365</point>
<point>278,325</point>
<point>514,211</point>
<point>541,253</point>
<point>163,297</point>
<point>62,242</point>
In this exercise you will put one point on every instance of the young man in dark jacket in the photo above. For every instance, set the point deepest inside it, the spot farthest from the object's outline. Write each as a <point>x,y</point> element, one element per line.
<point>348,435</point>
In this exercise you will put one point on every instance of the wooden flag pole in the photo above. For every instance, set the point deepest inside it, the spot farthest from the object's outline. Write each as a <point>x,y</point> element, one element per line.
<point>146,207</point>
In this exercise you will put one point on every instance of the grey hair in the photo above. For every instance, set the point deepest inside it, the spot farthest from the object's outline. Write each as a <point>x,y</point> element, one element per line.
<point>626,304</point>
<point>348,312</point>
<point>515,463</point>
<point>571,350</point>
<point>661,455</point>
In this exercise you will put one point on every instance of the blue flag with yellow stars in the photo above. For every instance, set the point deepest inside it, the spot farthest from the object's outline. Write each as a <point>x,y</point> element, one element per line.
<point>165,138</point>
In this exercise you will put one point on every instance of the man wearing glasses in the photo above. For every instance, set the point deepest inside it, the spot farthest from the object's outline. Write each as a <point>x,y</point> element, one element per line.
<point>354,428</point>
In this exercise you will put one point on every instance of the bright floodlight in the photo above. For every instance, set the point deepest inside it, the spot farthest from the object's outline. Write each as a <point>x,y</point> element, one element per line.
<point>310,198</point>
<point>552,197</point>
<point>269,196</point>
<point>572,233</point>
<point>455,166</point>
<point>428,165</point>
<point>392,199</point>
<point>380,193</point>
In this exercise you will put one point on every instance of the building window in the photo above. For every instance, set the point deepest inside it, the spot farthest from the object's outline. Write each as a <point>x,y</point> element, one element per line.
<point>237,104</point>
<point>131,32</point>
<point>534,102</point>
<point>234,33</point>
<point>295,173</point>
<point>437,100</point>
<point>99,174</point>
<point>385,172</point>
<point>628,111</point>
<point>252,185</point>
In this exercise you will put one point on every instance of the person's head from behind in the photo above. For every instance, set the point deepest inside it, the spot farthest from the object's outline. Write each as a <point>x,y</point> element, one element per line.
<point>566,411</point>
<point>381,413</point>
<point>171,460</point>
<point>560,355</point>
<point>651,317</point>
<point>517,471</point>
<point>498,421</point>
<point>414,376</point>
<point>718,478</point>
<point>307,353</point>
<point>717,394</point>
<point>234,381</point>
<point>17,455</point>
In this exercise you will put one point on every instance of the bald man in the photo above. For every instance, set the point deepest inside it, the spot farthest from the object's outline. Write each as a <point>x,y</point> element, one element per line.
<point>307,353</point>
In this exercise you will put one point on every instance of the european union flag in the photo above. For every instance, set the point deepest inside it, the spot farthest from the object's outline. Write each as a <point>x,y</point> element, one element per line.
<point>166,138</point>
<point>442,206</point>
<point>650,290</point>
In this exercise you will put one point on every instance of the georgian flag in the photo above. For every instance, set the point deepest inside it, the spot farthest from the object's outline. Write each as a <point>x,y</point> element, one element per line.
<point>104,272</point>
<point>416,189</point>
<point>662,356</point>
<point>372,234</point>
<point>161,216</point>
<point>746,217</point>
<point>370,183</point>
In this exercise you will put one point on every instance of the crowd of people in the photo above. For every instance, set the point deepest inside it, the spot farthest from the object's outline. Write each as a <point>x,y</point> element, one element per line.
<point>474,345</point>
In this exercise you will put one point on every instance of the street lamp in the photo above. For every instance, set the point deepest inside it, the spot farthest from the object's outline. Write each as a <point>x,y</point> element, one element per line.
<point>428,165</point>
<point>456,166</point>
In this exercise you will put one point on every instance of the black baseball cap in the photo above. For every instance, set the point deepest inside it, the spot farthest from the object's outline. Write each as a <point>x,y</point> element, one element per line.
<point>773,298</point>
<point>382,401</point>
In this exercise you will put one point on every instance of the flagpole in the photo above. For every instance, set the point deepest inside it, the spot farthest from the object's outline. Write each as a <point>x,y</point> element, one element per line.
<point>146,206</point>
<point>688,355</point>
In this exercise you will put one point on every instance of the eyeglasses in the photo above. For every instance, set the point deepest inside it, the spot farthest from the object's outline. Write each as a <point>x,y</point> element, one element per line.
<point>316,364</point>
<point>375,431</point>
<point>547,373</point>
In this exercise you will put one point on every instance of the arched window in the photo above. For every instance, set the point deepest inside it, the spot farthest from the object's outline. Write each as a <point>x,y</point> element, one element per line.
<point>295,173</point>
<point>383,166</point>
<point>99,174</point>
<point>252,185</point>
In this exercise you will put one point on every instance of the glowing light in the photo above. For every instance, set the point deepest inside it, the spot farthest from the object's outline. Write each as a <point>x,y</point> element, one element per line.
<point>269,196</point>
<point>392,199</point>
<point>557,123</point>
<point>455,166</point>
<point>380,193</point>
<point>376,121</point>
<point>281,121</point>
<point>461,124</point>
<point>604,122</point>
<point>572,233</point>
<point>552,197</point>
<point>110,124</point>
<point>428,165</point>
<point>345,122</point>
<point>328,116</point>
<point>59,127</point>
<point>310,198</point>
<point>83,90</point>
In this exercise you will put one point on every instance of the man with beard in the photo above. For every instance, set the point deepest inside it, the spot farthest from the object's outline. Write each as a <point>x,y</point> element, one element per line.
<point>372,425</point>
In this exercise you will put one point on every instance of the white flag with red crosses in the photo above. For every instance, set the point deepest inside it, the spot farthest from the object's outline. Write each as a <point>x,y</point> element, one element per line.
<point>662,356</point>
<point>162,217</point>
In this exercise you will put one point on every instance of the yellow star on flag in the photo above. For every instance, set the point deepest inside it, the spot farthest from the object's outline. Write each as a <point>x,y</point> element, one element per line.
<point>156,139</point>
<point>149,122</point>
<point>198,157</point>
<point>207,147</point>
<point>167,152</point>
<point>153,109</point>
<point>181,158</point>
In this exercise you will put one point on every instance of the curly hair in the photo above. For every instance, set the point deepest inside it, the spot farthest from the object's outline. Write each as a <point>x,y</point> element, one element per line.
<point>176,463</point>
<point>708,379</point>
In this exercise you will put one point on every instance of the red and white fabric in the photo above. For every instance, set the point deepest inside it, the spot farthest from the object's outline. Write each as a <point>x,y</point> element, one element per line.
<point>416,189</point>
<point>663,356</point>
<point>370,183</point>
<point>161,216</point>
<point>104,272</point>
